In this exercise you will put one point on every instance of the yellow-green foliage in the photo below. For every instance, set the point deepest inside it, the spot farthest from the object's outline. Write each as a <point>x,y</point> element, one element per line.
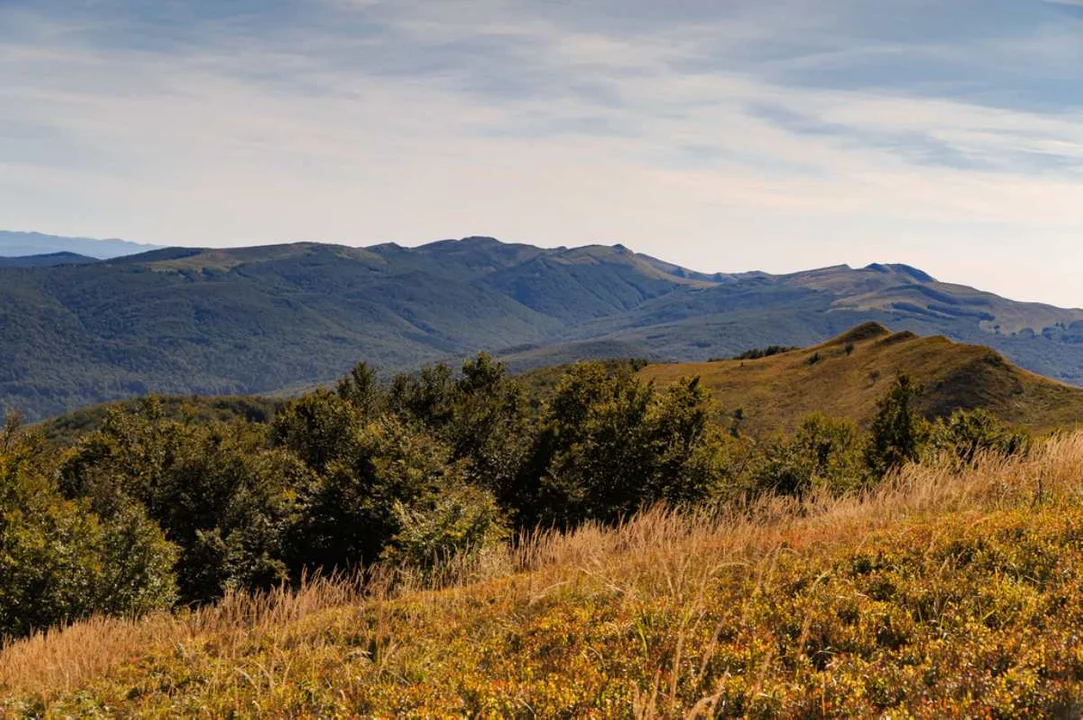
<point>951,591</point>
<point>59,561</point>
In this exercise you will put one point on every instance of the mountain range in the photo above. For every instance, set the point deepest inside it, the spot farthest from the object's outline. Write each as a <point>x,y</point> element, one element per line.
<point>23,244</point>
<point>266,319</point>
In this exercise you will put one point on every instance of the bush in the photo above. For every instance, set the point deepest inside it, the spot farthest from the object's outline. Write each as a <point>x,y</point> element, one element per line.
<point>489,427</point>
<point>348,514</point>
<point>834,447</point>
<point>318,428</point>
<point>968,433</point>
<point>824,452</point>
<point>461,522</point>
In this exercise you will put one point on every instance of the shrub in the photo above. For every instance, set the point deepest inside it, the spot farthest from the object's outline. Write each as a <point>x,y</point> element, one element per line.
<point>318,428</point>
<point>489,427</point>
<point>218,492</point>
<point>462,521</point>
<point>824,452</point>
<point>967,433</point>
<point>610,443</point>
<point>348,516</point>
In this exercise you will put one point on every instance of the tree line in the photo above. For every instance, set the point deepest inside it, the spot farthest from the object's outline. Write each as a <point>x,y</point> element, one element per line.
<point>152,511</point>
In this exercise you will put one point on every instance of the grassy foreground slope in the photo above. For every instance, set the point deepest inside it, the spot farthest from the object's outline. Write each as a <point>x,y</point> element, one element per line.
<point>844,378</point>
<point>946,593</point>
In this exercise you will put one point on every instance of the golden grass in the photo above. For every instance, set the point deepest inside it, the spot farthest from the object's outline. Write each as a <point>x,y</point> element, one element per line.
<point>671,614</point>
<point>777,392</point>
<point>62,659</point>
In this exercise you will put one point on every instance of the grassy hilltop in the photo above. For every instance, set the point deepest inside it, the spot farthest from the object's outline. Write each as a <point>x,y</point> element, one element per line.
<point>844,377</point>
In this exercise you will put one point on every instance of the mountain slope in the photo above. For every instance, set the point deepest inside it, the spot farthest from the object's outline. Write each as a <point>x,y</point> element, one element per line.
<point>256,320</point>
<point>845,377</point>
<point>259,319</point>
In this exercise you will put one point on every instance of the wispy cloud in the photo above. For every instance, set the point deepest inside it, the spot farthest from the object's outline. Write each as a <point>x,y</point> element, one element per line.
<point>722,135</point>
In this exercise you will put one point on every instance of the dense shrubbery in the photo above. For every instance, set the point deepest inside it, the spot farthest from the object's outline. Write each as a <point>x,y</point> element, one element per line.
<point>953,592</point>
<point>609,444</point>
<point>758,353</point>
<point>823,453</point>
<point>153,508</point>
<point>58,559</point>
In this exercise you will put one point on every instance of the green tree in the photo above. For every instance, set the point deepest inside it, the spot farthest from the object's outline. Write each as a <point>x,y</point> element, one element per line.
<point>319,427</point>
<point>897,432</point>
<point>489,426</point>
<point>361,389</point>
<point>426,397</point>
<point>59,561</point>
<point>610,443</point>
<point>482,415</point>
<point>217,490</point>
<point>348,513</point>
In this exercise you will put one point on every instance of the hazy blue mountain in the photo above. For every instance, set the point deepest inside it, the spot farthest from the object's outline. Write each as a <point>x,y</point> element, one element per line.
<point>19,244</point>
<point>49,260</point>
<point>257,320</point>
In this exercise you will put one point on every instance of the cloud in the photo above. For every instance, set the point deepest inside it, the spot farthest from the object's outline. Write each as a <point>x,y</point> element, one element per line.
<point>726,136</point>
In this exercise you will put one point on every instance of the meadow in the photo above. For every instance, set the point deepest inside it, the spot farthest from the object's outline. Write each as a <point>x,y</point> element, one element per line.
<point>949,589</point>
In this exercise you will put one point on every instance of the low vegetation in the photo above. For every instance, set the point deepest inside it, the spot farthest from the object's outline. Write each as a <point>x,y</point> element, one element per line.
<point>758,353</point>
<point>65,430</point>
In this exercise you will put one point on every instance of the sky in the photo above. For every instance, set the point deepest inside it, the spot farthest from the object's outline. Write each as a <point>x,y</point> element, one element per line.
<point>724,135</point>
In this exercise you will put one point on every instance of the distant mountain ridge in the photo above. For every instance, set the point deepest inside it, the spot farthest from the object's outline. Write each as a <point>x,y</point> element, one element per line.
<point>23,244</point>
<point>259,319</point>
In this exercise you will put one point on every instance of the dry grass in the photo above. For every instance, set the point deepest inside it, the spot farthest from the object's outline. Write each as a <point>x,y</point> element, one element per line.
<point>673,614</point>
<point>62,659</point>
